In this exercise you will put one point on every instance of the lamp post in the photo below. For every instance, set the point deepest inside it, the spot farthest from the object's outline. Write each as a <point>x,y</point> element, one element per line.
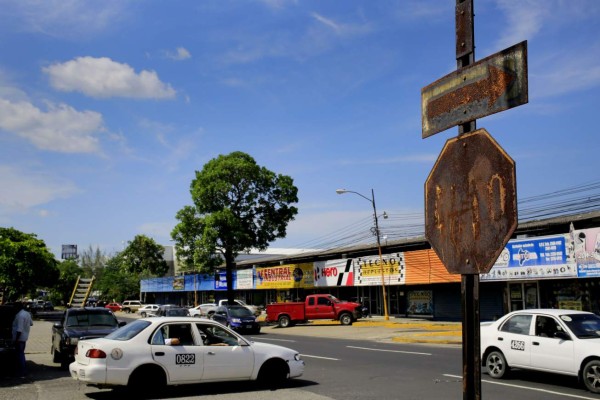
<point>372,201</point>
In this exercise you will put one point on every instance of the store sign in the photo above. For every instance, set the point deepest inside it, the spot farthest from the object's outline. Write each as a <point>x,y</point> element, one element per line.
<point>334,273</point>
<point>420,302</point>
<point>586,243</point>
<point>545,257</point>
<point>285,277</point>
<point>368,270</point>
<point>244,279</point>
<point>221,283</point>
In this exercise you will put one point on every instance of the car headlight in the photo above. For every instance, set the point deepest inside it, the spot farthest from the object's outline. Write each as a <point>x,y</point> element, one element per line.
<point>236,320</point>
<point>297,357</point>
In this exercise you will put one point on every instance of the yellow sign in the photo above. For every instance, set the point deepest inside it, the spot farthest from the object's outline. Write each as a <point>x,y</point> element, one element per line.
<point>285,277</point>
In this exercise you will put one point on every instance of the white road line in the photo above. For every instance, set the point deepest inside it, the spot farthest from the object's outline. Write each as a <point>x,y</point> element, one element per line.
<point>390,351</point>
<point>322,358</point>
<point>575,396</point>
<point>261,339</point>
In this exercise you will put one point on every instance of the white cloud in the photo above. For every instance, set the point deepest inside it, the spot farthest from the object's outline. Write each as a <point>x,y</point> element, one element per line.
<point>525,18</point>
<point>103,77</point>
<point>30,189</point>
<point>180,54</point>
<point>61,128</point>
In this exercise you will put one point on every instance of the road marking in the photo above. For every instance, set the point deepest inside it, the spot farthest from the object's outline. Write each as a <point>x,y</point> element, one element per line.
<point>390,351</point>
<point>322,358</point>
<point>575,396</point>
<point>260,339</point>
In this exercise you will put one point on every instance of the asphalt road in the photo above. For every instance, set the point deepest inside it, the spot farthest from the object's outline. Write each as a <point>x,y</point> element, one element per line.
<point>349,363</point>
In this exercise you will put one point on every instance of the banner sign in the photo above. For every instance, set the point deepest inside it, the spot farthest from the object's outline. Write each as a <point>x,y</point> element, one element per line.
<point>420,302</point>
<point>334,273</point>
<point>178,282</point>
<point>221,282</point>
<point>586,243</point>
<point>368,270</point>
<point>285,277</point>
<point>244,279</point>
<point>545,257</point>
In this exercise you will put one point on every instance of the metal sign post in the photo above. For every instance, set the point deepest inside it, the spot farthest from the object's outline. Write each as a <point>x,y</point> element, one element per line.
<point>470,193</point>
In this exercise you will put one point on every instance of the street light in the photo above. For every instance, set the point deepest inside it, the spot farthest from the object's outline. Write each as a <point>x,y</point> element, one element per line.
<point>372,201</point>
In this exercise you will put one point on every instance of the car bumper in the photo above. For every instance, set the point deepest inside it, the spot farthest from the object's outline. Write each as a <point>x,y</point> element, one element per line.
<point>296,368</point>
<point>90,374</point>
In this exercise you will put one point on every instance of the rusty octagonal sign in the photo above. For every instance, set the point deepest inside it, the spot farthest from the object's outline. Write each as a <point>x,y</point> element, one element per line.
<point>471,203</point>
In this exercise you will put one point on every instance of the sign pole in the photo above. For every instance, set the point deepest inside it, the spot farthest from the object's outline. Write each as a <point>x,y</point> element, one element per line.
<point>465,55</point>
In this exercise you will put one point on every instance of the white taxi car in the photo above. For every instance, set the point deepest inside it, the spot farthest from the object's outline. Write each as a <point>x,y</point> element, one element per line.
<point>559,341</point>
<point>151,353</point>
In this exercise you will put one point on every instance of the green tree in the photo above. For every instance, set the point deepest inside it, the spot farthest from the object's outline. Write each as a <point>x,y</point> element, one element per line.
<point>26,264</point>
<point>92,262</point>
<point>116,283</point>
<point>121,275</point>
<point>238,205</point>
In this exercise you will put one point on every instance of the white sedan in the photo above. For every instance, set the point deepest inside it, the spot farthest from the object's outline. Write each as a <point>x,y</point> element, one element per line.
<point>559,341</point>
<point>151,353</point>
<point>147,310</point>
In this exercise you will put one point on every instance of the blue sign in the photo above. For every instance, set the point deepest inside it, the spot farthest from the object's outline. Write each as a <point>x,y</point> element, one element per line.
<point>545,257</point>
<point>221,283</point>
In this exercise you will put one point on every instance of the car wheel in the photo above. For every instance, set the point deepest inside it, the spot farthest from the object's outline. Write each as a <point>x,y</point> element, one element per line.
<point>284,321</point>
<point>55,355</point>
<point>147,380</point>
<point>273,373</point>
<point>127,310</point>
<point>496,364</point>
<point>591,376</point>
<point>346,319</point>
<point>143,314</point>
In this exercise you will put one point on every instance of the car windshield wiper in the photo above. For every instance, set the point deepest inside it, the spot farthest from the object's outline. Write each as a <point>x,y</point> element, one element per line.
<point>104,325</point>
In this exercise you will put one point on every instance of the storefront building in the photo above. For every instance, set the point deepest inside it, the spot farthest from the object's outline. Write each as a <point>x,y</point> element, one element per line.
<point>555,271</point>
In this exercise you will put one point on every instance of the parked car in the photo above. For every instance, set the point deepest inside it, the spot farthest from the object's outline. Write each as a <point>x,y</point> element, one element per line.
<point>254,309</point>
<point>114,307</point>
<point>171,310</point>
<point>78,324</point>
<point>559,341</point>
<point>238,318</point>
<point>48,306</point>
<point>203,310</point>
<point>127,357</point>
<point>148,310</point>
<point>130,306</point>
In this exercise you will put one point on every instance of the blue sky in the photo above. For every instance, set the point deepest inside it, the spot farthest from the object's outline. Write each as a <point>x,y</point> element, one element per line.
<point>107,108</point>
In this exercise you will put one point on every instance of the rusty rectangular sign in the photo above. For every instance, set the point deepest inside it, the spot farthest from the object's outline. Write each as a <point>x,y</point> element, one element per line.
<point>493,84</point>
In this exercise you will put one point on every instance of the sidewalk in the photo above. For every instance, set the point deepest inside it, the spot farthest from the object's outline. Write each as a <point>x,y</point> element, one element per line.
<point>398,330</point>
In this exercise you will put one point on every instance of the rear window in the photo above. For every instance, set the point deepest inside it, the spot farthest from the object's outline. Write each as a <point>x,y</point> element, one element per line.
<point>91,318</point>
<point>129,331</point>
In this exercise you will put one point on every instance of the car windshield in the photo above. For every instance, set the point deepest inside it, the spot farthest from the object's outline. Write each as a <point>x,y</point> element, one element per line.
<point>91,319</point>
<point>584,326</point>
<point>240,312</point>
<point>129,331</point>
<point>334,299</point>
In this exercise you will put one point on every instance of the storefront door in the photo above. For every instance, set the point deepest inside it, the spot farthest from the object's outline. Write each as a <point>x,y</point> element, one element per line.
<point>523,295</point>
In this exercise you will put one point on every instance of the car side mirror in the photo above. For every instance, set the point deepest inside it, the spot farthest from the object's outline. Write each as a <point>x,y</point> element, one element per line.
<point>328,302</point>
<point>562,335</point>
<point>58,325</point>
<point>122,323</point>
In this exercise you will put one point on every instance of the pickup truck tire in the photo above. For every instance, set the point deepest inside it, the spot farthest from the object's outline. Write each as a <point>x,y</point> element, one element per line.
<point>284,321</point>
<point>346,319</point>
<point>55,355</point>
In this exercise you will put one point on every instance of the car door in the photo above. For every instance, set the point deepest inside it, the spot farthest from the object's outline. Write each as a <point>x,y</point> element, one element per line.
<point>548,352</point>
<point>224,357</point>
<point>175,347</point>
<point>514,339</point>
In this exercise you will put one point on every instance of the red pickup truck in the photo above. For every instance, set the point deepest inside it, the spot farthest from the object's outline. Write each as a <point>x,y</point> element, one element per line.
<point>316,306</point>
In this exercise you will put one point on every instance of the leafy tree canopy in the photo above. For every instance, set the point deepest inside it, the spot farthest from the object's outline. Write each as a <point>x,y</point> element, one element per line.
<point>238,205</point>
<point>143,257</point>
<point>26,264</point>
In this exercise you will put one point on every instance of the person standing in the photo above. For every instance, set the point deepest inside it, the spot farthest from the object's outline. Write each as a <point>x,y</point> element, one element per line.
<point>20,331</point>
